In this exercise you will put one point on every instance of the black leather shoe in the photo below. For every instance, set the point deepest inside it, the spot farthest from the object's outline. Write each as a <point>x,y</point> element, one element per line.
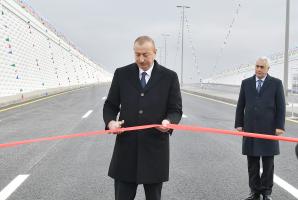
<point>267,197</point>
<point>253,196</point>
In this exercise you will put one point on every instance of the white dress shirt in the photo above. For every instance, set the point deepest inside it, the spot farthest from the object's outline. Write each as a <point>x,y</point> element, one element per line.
<point>148,75</point>
<point>263,79</point>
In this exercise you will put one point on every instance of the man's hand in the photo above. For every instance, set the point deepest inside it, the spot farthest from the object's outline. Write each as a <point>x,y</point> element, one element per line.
<point>279,131</point>
<point>163,128</point>
<point>115,125</point>
<point>240,129</point>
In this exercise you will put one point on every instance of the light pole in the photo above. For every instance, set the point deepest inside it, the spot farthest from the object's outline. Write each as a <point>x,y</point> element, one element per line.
<point>294,86</point>
<point>286,54</point>
<point>182,38</point>
<point>165,35</point>
<point>160,54</point>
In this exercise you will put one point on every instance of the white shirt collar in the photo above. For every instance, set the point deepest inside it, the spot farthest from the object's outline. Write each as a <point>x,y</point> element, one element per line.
<point>149,71</point>
<point>263,79</point>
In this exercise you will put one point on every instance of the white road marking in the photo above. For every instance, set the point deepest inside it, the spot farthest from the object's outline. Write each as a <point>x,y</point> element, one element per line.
<point>292,104</point>
<point>234,105</point>
<point>292,120</point>
<point>280,182</point>
<point>196,95</point>
<point>104,98</point>
<point>12,186</point>
<point>184,116</point>
<point>284,185</point>
<point>87,114</point>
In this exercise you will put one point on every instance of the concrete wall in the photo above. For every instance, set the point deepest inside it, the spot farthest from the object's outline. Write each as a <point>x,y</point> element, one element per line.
<point>234,76</point>
<point>35,59</point>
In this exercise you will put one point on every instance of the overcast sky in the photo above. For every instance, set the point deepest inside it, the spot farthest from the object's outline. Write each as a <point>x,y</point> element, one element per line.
<point>105,30</point>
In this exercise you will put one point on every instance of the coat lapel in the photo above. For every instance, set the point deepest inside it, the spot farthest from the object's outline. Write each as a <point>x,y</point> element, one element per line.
<point>135,79</point>
<point>253,85</point>
<point>266,83</point>
<point>156,75</point>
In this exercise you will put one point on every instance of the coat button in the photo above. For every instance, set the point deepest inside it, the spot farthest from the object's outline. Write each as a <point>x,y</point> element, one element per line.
<point>140,111</point>
<point>142,94</point>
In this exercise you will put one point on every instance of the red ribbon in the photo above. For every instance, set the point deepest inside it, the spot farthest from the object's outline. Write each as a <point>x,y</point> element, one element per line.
<point>171,126</point>
<point>229,132</point>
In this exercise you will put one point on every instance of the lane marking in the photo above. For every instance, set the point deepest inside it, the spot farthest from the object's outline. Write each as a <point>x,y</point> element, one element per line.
<point>87,114</point>
<point>234,105</point>
<point>279,181</point>
<point>292,104</point>
<point>34,101</point>
<point>284,185</point>
<point>12,186</point>
<point>208,98</point>
<point>104,98</point>
<point>292,120</point>
<point>184,116</point>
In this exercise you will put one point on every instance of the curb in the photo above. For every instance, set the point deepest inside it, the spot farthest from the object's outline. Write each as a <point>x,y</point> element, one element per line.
<point>227,100</point>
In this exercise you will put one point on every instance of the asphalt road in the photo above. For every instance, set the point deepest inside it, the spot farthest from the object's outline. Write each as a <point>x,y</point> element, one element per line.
<point>203,166</point>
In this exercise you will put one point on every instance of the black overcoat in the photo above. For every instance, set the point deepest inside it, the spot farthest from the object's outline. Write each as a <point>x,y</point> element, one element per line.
<point>142,156</point>
<point>260,113</point>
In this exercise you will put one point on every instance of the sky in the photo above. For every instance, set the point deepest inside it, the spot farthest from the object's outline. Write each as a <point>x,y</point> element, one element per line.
<point>105,30</point>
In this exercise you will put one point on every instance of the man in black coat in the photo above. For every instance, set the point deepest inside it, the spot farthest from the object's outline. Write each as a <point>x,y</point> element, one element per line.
<point>142,93</point>
<point>261,109</point>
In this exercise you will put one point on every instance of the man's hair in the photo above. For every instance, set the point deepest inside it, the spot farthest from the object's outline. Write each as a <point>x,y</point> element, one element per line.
<point>266,60</point>
<point>142,39</point>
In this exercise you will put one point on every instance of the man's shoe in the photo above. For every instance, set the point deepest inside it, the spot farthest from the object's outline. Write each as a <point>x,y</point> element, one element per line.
<point>253,196</point>
<point>267,197</point>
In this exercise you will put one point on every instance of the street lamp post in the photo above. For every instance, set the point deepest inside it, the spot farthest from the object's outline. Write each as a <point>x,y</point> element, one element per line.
<point>160,54</point>
<point>286,54</point>
<point>182,38</point>
<point>165,38</point>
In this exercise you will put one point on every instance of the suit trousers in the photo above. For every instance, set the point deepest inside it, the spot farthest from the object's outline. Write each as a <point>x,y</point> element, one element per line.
<point>127,191</point>
<point>261,184</point>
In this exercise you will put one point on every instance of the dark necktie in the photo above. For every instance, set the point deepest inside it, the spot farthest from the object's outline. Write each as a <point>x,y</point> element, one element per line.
<point>143,80</point>
<point>259,85</point>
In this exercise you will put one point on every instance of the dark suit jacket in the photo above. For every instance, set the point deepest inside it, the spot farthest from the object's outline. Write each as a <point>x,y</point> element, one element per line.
<point>260,113</point>
<point>142,156</point>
